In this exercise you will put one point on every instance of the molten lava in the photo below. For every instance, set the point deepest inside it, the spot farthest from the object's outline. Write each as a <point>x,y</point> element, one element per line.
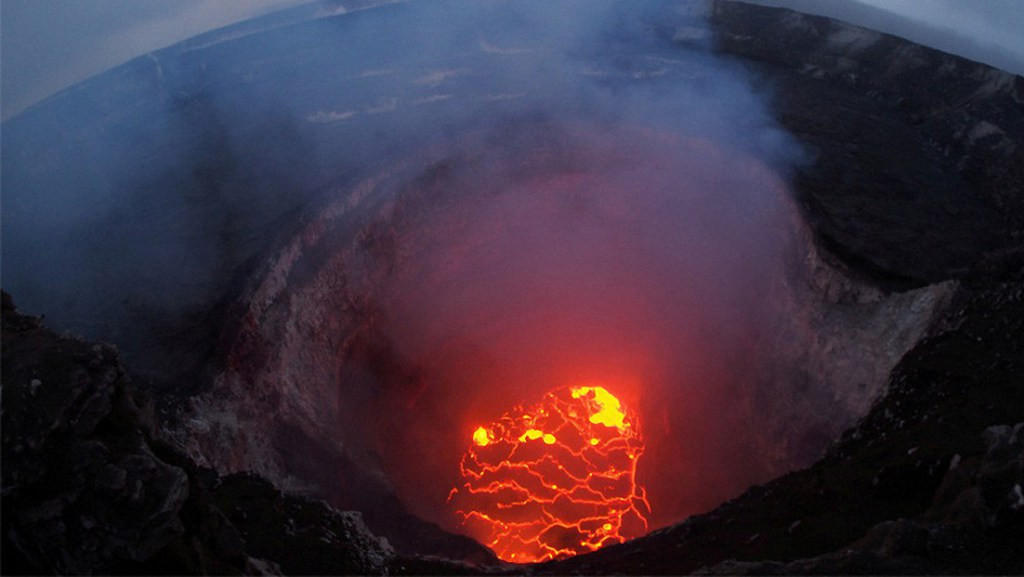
<point>555,479</point>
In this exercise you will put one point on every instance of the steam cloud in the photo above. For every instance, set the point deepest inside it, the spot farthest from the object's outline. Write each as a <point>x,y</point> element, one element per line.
<point>635,250</point>
<point>640,262</point>
<point>623,226</point>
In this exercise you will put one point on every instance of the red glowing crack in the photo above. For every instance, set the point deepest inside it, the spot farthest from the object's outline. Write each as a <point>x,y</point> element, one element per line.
<point>555,479</point>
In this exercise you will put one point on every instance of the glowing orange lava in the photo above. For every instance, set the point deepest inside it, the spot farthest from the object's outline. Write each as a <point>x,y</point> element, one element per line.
<point>555,479</point>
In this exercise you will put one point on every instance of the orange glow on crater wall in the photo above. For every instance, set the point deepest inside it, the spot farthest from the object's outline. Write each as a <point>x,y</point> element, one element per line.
<point>555,479</point>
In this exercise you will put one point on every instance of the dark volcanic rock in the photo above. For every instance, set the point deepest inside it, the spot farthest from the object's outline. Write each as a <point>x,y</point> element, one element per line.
<point>82,489</point>
<point>316,539</point>
<point>974,525</point>
<point>910,147</point>
<point>87,488</point>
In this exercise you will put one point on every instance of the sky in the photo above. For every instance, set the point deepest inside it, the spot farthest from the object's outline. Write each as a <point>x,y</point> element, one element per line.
<point>48,45</point>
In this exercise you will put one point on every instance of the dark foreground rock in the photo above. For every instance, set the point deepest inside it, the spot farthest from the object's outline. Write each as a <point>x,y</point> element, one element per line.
<point>973,525</point>
<point>88,488</point>
<point>316,540</point>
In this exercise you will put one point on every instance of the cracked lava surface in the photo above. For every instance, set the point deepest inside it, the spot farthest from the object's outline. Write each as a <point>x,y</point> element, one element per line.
<point>554,479</point>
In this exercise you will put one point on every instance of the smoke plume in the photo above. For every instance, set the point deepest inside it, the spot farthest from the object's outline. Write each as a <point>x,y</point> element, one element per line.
<point>607,205</point>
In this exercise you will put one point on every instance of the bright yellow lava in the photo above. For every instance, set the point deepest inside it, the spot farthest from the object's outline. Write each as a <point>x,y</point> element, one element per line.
<point>534,434</point>
<point>609,412</point>
<point>480,437</point>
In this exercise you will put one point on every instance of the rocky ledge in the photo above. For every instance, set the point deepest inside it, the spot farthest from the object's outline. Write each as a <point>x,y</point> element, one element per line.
<point>89,488</point>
